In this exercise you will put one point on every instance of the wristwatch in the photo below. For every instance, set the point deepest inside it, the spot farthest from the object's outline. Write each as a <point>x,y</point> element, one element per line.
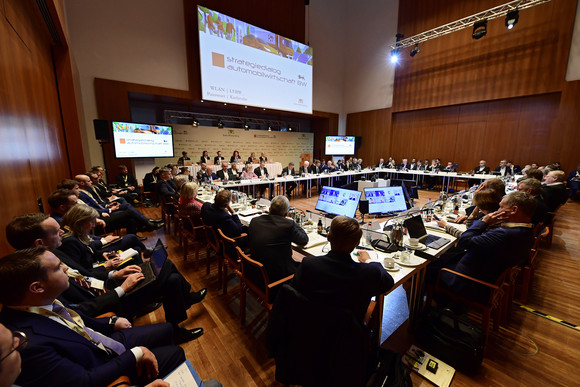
<point>113,320</point>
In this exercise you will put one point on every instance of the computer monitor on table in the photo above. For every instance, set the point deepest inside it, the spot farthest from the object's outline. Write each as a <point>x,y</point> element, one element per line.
<point>383,200</point>
<point>338,201</point>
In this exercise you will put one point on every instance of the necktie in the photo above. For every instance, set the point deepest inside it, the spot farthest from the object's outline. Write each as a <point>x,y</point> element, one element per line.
<point>75,322</point>
<point>84,282</point>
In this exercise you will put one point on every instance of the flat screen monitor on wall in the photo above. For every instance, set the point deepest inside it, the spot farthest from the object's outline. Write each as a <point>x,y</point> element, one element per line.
<point>247,65</point>
<point>339,145</point>
<point>134,140</point>
<point>338,201</point>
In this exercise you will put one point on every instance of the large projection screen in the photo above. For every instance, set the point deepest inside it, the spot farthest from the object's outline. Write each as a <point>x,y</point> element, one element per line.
<point>247,65</point>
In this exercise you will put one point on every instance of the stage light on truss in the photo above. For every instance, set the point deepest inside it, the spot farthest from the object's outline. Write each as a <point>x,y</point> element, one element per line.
<point>220,124</point>
<point>512,18</point>
<point>415,50</point>
<point>246,126</point>
<point>479,29</point>
<point>394,58</point>
<point>195,123</point>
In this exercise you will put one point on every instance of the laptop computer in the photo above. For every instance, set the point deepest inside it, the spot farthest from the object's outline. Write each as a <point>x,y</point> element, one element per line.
<point>152,268</point>
<point>416,229</point>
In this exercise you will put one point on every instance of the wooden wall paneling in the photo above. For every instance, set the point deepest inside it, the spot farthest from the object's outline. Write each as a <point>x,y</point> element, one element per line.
<point>565,129</point>
<point>32,153</point>
<point>455,69</point>
<point>537,116</point>
<point>322,125</point>
<point>469,144</point>
<point>374,127</point>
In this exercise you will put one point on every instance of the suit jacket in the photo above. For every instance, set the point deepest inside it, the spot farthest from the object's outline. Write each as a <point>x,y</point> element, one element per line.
<point>303,170</point>
<point>150,182</point>
<point>203,159</point>
<point>218,218</point>
<point>89,199</point>
<point>165,189</point>
<point>258,172</point>
<point>57,356</point>
<point>404,166</point>
<point>270,239</point>
<point>82,255</point>
<point>315,169</point>
<point>515,170</point>
<point>336,280</point>
<point>506,172</point>
<point>124,183</point>
<point>485,170</point>
<point>554,195</point>
<point>488,254</point>
<point>287,171</point>
<point>541,210</point>
<point>218,160</point>
<point>222,176</point>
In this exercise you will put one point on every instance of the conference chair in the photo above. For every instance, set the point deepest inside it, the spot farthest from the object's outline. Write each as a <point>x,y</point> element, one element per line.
<point>494,303</point>
<point>254,280</point>
<point>213,245</point>
<point>151,195</point>
<point>315,344</point>
<point>192,231</point>
<point>167,211</point>
<point>230,257</point>
<point>528,269</point>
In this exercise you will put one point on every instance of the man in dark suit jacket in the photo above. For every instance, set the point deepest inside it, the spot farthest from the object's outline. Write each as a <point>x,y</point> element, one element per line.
<point>489,252</point>
<point>574,181</point>
<point>381,163</point>
<point>315,168</point>
<point>221,215</point>
<point>218,159</point>
<point>165,188</point>
<point>270,238</point>
<point>289,171</point>
<point>335,279</point>
<point>262,172</point>
<point>35,230</point>
<point>60,350</point>
<point>513,169</point>
<point>127,181</point>
<point>554,192</point>
<point>534,188</point>
<point>150,180</point>
<point>481,168</point>
<point>225,174</point>
<point>404,166</point>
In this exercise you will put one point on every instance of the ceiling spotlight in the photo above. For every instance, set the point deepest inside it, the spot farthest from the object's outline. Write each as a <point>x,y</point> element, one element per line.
<point>220,124</point>
<point>479,29</point>
<point>415,50</point>
<point>269,127</point>
<point>394,56</point>
<point>195,123</point>
<point>289,128</point>
<point>512,18</point>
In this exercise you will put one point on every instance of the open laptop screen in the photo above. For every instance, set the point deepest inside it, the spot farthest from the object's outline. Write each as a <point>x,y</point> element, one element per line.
<point>338,201</point>
<point>385,199</point>
<point>415,227</point>
<point>158,257</point>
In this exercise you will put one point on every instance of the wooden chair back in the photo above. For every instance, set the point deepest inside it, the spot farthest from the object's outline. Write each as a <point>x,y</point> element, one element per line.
<point>230,258</point>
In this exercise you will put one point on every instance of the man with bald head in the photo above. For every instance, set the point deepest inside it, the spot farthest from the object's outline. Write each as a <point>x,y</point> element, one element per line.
<point>335,279</point>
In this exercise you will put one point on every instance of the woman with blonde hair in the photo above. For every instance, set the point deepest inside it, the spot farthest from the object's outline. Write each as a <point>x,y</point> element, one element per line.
<point>188,206</point>
<point>86,248</point>
<point>248,172</point>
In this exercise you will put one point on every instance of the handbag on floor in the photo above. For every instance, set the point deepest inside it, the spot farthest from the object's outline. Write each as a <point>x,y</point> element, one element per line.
<point>451,338</point>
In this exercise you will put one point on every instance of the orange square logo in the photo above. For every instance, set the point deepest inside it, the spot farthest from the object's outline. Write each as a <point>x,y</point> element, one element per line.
<point>122,140</point>
<point>218,60</point>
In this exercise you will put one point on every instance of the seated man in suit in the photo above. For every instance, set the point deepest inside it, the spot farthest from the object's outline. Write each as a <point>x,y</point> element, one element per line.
<point>150,180</point>
<point>127,181</point>
<point>289,171</point>
<point>225,174</point>
<point>404,166</point>
<point>554,192</point>
<point>481,168</point>
<point>335,279</point>
<point>450,167</point>
<point>165,187</point>
<point>488,253</point>
<point>69,348</point>
<point>219,158</point>
<point>533,187</point>
<point>235,173</point>
<point>126,210</point>
<point>381,163</point>
<point>513,169</point>
<point>221,215</point>
<point>97,291</point>
<point>60,201</point>
<point>262,172</point>
<point>502,168</point>
<point>270,238</point>
<point>183,158</point>
<point>315,168</point>
<point>305,168</point>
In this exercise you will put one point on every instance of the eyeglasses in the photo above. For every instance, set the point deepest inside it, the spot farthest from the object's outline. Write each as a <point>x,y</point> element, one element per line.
<point>20,341</point>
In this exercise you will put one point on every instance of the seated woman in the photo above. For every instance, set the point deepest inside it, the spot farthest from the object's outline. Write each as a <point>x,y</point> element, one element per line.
<point>87,249</point>
<point>221,215</point>
<point>485,201</point>
<point>252,159</point>
<point>248,172</point>
<point>235,157</point>
<point>188,206</point>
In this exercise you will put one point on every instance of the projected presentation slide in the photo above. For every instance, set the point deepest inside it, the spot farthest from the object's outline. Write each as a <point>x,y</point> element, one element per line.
<point>385,199</point>
<point>142,140</point>
<point>247,65</point>
<point>338,201</point>
<point>340,145</point>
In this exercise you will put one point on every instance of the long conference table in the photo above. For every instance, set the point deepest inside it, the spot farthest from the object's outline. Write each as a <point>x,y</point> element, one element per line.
<point>413,270</point>
<point>346,177</point>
